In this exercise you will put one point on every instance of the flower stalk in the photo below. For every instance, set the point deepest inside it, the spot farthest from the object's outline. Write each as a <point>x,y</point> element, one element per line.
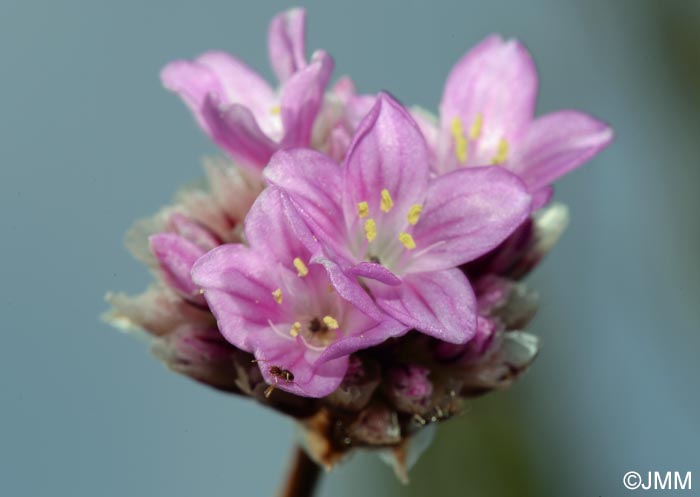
<point>303,476</point>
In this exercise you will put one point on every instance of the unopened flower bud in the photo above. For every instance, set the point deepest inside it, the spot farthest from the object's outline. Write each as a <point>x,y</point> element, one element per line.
<point>409,388</point>
<point>359,383</point>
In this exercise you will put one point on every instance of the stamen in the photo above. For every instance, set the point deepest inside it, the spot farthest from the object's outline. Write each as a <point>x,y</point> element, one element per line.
<point>302,270</point>
<point>295,329</point>
<point>414,213</point>
<point>370,229</point>
<point>387,201</point>
<point>276,110</point>
<point>330,322</point>
<point>407,241</point>
<point>475,129</point>
<point>277,294</point>
<point>461,143</point>
<point>502,153</point>
<point>362,209</point>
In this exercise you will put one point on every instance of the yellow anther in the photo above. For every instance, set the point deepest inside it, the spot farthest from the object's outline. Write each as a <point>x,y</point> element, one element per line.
<point>363,209</point>
<point>295,329</point>
<point>370,229</point>
<point>502,152</point>
<point>414,213</point>
<point>387,202</point>
<point>407,241</point>
<point>330,322</point>
<point>277,294</point>
<point>461,143</point>
<point>475,129</point>
<point>276,110</point>
<point>302,270</point>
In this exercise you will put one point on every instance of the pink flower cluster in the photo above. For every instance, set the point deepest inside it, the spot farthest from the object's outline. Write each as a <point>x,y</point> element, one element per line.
<point>351,252</point>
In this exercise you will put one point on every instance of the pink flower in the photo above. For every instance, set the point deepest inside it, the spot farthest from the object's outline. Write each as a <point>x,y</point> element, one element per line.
<point>487,117</point>
<point>273,300</point>
<point>239,110</point>
<point>382,218</point>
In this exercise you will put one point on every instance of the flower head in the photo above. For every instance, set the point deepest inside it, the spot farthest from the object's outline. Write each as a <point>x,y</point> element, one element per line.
<point>383,218</point>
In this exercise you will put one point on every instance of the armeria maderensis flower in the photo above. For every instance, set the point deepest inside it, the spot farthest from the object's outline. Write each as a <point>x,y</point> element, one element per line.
<point>487,117</point>
<point>381,217</point>
<point>271,299</point>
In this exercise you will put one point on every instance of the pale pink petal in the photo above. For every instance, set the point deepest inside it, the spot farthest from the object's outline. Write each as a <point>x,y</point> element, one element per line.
<point>234,129</point>
<point>467,213</point>
<point>556,143</point>
<point>389,153</point>
<point>496,79</point>
<point>240,84</point>
<point>312,378</point>
<point>176,255</point>
<point>193,82</point>
<point>238,285</point>
<point>274,224</point>
<point>193,231</point>
<point>313,182</point>
<point>286,43</point>
<point>440,304</point>
<point>302,96</point>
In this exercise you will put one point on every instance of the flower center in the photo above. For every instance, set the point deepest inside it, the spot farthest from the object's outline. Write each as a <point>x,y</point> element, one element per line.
<point>381,231</point>
<point>462,141</point>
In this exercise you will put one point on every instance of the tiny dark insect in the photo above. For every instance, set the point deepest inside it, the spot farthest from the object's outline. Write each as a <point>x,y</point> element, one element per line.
<point>279,374</point>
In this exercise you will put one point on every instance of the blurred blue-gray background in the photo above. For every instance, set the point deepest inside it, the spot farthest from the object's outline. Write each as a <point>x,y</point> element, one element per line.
<point>90,142</point>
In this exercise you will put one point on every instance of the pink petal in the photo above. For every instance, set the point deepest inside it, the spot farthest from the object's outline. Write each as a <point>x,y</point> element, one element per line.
<point>496,79</point>
<point>176,255</point>
<point>240,84</point>
<point>286,42</point>
<point>193,231</point>
<point>313,182</point>
<point>374,271</point>
<point>311,377</point>
<point>387,152</point>
<point>366,333</point>
<point>238,286</point>
<point>467,213</point>
<point>302,96</point>
<point>193,82</point>
<point>440,304</point>
<point>275,224</point>
<point>541,197</point>
<point>556,143</point>
<point>235,130</point>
